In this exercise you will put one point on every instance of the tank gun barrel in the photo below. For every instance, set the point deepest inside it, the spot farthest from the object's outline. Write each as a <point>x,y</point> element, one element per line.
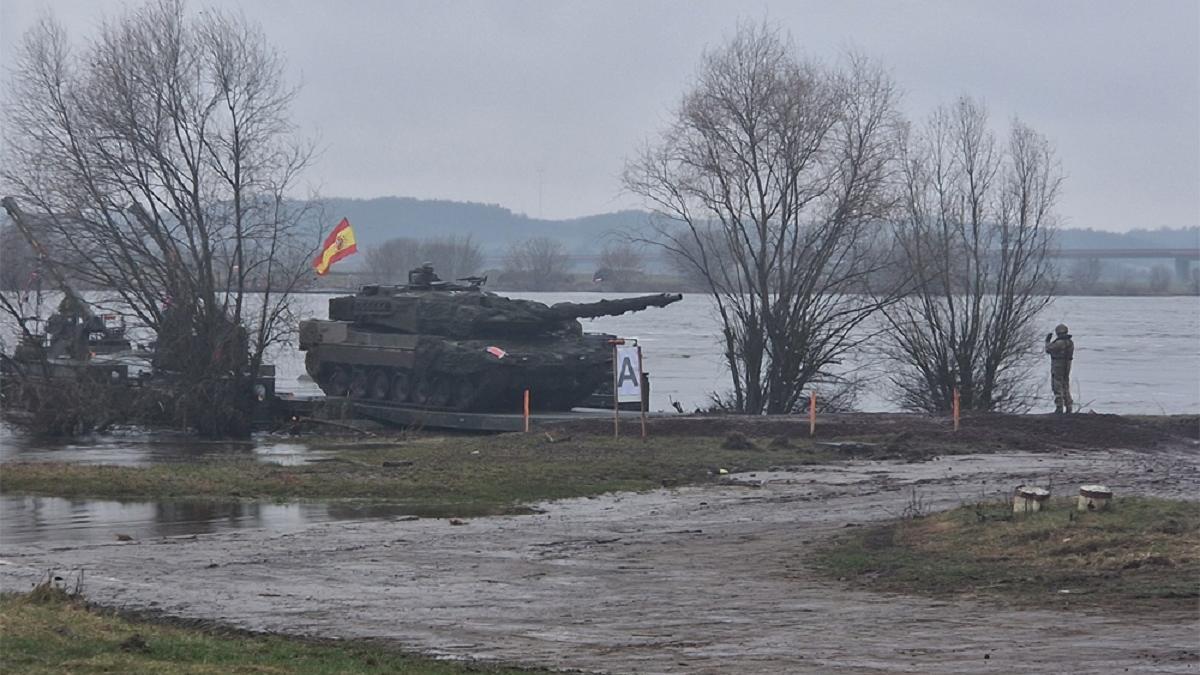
<point>591,310</point>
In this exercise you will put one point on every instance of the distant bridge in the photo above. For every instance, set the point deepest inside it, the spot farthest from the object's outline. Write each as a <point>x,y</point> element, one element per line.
<point>1183,257</point>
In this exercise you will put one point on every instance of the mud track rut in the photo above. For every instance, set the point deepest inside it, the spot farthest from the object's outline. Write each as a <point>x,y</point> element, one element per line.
<point>697,579</point>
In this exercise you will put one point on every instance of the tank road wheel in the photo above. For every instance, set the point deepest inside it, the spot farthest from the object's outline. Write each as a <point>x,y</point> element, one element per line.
<point>339,381</point>
<point>379,385</point>
<point>423,392</point>
<point>432,391</point>
<point>358,384</point>
<point>401,386</point>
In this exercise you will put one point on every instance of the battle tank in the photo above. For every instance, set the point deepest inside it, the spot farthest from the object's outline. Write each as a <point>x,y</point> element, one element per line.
<point>457,347</point>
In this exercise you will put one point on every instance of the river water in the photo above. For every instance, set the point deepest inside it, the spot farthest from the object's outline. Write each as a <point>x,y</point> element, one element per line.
<point>26,519</point>
<point>1132,356</point>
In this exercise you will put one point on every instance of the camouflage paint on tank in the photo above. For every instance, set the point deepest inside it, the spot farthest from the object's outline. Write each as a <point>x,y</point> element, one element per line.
<point>455,347</point>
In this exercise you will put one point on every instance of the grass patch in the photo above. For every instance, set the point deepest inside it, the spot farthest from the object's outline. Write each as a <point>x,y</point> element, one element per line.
<point>1143,554</point>
<point>451,475</point>
<point>52,631</point>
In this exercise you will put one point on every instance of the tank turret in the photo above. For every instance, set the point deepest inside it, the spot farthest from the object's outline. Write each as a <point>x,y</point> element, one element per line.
<point>463,312</point>
<point>451,346</point>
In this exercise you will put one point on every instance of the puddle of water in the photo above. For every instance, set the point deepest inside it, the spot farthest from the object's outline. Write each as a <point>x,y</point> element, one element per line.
<point>136,447</point>
<point>50,520</point>
<point>28,519</point>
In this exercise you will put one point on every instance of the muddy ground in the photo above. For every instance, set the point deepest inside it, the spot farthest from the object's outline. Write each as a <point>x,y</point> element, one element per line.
<point>918,433</point>
<point>706,578</point>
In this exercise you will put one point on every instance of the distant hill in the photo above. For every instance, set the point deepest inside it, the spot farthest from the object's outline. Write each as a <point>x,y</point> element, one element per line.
<point>382,218</point>
<point>493,226</point>
<point>497,228</point>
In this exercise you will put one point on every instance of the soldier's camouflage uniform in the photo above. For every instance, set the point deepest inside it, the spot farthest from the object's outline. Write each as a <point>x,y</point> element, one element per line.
<point>1061,351</point>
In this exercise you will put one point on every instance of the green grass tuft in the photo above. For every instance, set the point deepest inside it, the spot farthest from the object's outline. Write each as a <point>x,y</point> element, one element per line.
<point>435,476</point>
<point>1143,553</point>
<point>62,635</point>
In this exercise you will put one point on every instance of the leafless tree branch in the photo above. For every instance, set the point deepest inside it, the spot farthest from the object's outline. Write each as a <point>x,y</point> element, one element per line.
<point>160,159</point>
<point>772,186</point>
<point>976,229</point>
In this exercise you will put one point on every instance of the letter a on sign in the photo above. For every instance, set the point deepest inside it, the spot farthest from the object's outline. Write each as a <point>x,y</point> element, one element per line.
<point>629,374</point>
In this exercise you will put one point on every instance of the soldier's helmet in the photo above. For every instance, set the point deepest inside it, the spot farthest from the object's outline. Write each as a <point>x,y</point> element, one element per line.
<point>1061,329</point>
<point>426,265</point>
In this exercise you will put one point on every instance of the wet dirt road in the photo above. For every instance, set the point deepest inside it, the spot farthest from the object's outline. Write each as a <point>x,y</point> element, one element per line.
<point>696,580</point>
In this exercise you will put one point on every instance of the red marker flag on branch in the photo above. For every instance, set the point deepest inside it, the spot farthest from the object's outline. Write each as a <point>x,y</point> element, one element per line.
<point>339,244</point>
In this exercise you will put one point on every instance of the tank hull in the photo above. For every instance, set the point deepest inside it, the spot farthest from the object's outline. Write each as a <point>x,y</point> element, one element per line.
<point>470,375</point>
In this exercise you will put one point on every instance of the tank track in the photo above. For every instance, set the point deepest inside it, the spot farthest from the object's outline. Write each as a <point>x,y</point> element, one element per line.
<point>450,392</point>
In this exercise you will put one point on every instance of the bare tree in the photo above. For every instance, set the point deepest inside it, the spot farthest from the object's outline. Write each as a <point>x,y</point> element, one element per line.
<point>772,184</point>
<point>536,264</point>
<point>161,156</point>
<point>621,266</point>
<point>622,256</point>
<point>976,229</point>
<point>1085,274</point>
<point>453,257</point>
<point>389,262</point>
<point>1160,279</point>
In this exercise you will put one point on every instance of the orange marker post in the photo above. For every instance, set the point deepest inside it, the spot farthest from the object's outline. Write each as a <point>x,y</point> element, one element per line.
<point>526,411</point>
<point>956,408</point>
<point>812,413</point>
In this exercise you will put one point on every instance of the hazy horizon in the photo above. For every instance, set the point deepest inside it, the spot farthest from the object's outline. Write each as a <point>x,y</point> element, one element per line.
<point>534,105</point>
<point>636,208</point>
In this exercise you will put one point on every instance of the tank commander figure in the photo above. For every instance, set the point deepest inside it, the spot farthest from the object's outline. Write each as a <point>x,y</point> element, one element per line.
<point>1061,349</point>
<point>423,276</point>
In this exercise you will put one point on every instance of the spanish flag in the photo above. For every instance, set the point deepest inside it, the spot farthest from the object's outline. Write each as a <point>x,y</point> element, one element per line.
<point>338,245</point>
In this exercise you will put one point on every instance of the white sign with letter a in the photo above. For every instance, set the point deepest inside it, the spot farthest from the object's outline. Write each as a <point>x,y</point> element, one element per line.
<point>629,374</point>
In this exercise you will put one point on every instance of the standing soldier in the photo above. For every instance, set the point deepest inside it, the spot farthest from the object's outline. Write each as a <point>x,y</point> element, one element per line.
<point>1061,349</point>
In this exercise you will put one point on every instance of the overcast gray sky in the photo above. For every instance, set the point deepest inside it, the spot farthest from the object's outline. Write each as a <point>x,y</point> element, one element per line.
<point>534,105</point>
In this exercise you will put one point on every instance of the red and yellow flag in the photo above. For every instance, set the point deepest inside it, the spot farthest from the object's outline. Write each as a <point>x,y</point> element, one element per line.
<point>339,244</point>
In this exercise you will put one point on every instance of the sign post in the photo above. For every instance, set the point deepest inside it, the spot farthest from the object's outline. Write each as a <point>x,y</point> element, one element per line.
<point>643,394</point>
<point>627,379</point>
<point>616,402</point>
